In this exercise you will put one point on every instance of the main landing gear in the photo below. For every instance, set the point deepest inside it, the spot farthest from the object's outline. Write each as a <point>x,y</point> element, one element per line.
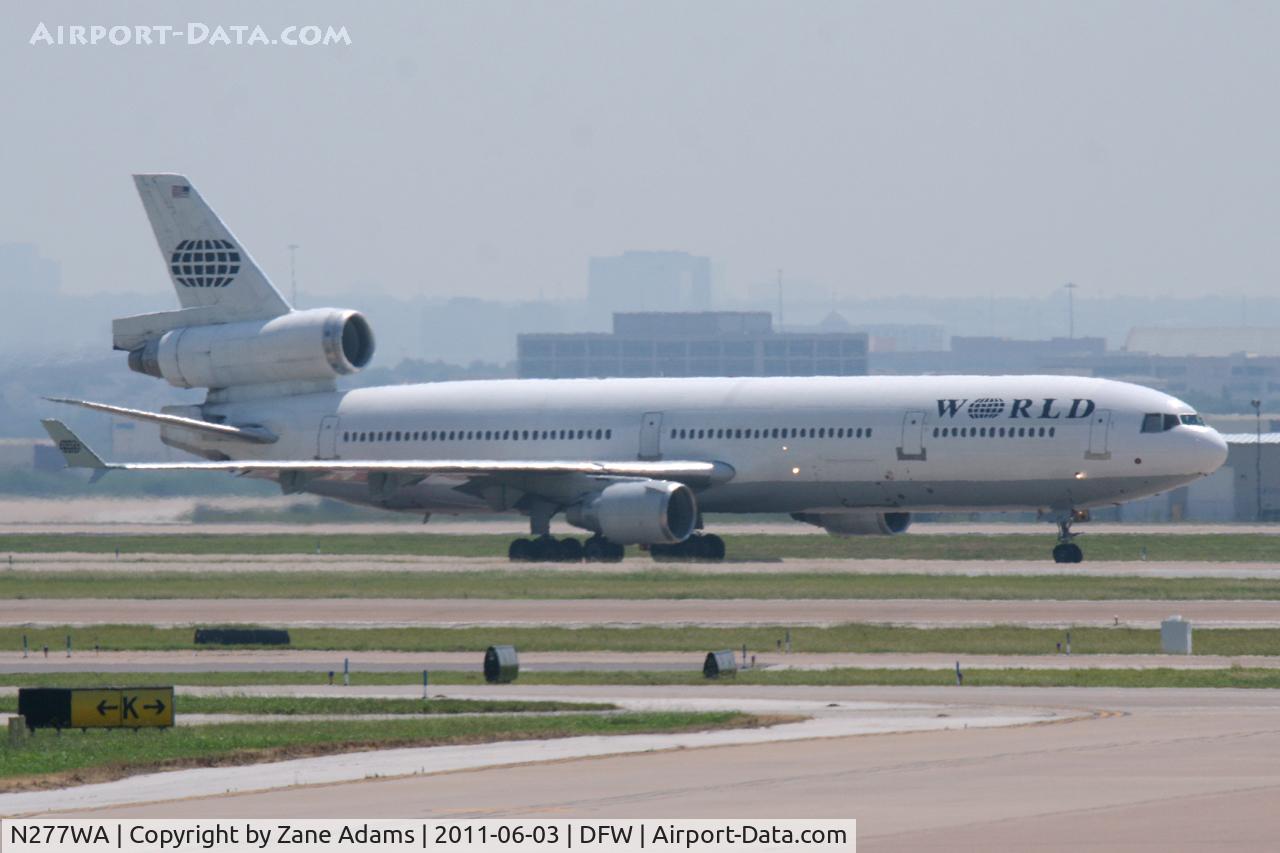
<point>548,549</point>
<point>700,547</point>
<point>1067,551</point>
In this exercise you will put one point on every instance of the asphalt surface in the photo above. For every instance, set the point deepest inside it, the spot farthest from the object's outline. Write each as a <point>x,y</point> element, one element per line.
<point>1059,769</point>
<point>382,612</point>
<point>323,662</point>
<point>143,564</point>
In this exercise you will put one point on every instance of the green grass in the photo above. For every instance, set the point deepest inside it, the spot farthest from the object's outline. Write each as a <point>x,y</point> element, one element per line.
<point>535,584</point>
<point>50,759</point>
<point>1103,546</point>
<point>339,705</point>
<point>1000,639</point>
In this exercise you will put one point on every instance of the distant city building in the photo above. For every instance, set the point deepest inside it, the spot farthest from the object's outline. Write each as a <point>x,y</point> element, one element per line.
<point>1218,341</point>
<point>708,343</point>
<point>649,281</point>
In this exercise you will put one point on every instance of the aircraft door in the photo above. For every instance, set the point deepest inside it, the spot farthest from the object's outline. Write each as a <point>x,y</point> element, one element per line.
<point>1099,435</point>
<point>651,435</point>
<point>327,446</point>
<point>912,445</point>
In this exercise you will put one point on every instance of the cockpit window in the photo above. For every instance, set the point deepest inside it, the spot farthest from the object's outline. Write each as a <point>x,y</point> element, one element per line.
<point>1157,422</point>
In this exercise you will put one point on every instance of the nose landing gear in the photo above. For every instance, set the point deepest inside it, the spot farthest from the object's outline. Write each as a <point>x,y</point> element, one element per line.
<point>1067,551</point>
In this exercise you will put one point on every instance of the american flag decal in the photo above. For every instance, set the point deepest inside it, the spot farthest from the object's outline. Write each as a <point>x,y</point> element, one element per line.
<point>180,190</point>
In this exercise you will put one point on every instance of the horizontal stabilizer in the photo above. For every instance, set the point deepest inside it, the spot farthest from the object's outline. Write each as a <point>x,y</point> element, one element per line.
<point>75,451</point>
<point>253,434</point>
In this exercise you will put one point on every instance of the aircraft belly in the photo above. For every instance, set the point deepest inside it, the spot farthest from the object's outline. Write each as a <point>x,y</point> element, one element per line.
<point>929,496</point>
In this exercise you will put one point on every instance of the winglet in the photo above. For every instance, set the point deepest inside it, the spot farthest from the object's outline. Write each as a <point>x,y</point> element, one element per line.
<point>75,451</point>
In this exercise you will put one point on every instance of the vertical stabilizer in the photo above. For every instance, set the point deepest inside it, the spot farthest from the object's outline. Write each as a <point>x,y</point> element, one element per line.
<point>208,266</point>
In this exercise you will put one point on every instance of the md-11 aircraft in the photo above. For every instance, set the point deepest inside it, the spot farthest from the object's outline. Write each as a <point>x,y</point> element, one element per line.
<point>632,461</point>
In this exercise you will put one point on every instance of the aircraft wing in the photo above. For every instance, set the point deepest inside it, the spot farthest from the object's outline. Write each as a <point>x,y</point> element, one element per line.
<point>79,455</point>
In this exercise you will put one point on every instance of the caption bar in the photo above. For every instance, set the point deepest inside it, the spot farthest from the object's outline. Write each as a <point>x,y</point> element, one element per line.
<point>403,836</point>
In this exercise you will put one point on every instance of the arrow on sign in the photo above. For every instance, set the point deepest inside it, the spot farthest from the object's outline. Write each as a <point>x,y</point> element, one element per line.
<point>158,707</point>
<point>103,708</point>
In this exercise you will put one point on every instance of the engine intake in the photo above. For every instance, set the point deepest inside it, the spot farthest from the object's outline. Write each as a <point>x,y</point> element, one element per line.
<point>318,344</point>
<point>648,512</point>
<point>857,523</point>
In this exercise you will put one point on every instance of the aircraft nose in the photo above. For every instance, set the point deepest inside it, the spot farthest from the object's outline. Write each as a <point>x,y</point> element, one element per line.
<point>1210,451</point>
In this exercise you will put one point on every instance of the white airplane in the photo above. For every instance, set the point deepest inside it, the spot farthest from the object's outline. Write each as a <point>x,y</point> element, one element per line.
<point>633,461</point>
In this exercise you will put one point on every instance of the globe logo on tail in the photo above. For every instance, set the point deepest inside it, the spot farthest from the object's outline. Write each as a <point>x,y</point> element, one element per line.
<point>205,263</point>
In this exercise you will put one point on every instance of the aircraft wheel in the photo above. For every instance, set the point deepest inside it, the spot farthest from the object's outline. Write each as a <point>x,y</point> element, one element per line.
<point>520,551</point>
<point>600,550</point>
<point>545,549</point>
<point>664,553</point>
<point>1067,552</point>
<point>569,551</point>
<point>711,548</point>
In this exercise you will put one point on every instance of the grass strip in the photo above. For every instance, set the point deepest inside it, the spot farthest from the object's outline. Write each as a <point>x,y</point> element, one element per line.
<point>354,705</point>
<point>857,637</point>
<point>666,584</point>
<point>76,757</point>
<point>1214,547</point>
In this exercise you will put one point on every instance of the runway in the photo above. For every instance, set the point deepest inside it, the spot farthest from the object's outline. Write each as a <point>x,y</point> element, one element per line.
<point>379,612</point>
<point>322,662</point>
<point>230,563</point>
<point>1132,769</point>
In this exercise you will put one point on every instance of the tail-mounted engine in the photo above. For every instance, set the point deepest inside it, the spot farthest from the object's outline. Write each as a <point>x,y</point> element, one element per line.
<point>317,344</point>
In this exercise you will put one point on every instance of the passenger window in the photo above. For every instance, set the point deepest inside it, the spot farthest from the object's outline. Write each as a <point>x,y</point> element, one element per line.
<point>608,434</point>
<point>868,432</point>
<point>1051,432</point>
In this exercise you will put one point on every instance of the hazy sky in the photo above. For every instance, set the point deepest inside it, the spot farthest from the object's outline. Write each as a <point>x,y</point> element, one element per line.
<point>986,148</point>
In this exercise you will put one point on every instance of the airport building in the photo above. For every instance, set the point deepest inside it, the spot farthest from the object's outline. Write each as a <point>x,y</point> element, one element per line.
<point>704,343</point>
<point>1207,372</point>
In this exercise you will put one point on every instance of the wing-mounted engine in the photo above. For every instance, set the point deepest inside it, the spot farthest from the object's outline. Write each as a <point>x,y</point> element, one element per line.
<point>314,345</point>
<point>643,512</point>
<point>857,523</point>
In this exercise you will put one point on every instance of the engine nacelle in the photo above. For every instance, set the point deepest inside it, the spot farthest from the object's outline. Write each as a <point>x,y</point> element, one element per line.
<point>647,512</point>
<point>318,344</point>
<point>857,523</point>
